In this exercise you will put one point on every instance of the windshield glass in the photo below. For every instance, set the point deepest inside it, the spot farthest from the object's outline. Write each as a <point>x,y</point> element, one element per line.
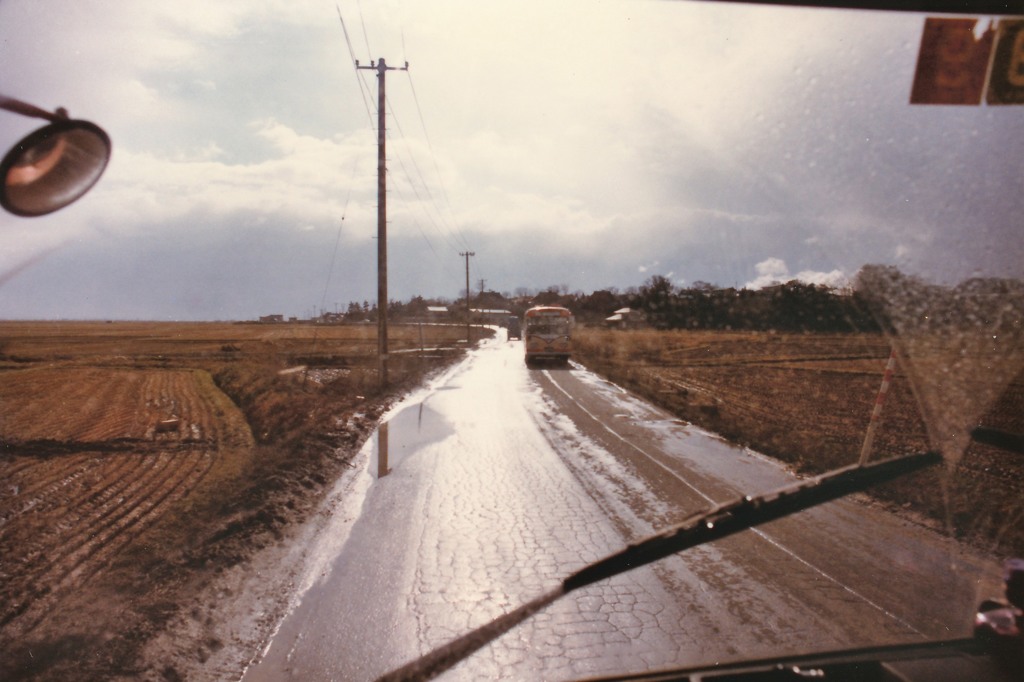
<point>789,237</point>
<point>547,326</point>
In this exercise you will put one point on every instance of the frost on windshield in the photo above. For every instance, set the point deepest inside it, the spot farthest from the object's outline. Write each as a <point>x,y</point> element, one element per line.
<point>960,346</point>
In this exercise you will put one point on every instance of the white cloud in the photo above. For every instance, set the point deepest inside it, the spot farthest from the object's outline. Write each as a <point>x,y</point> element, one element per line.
<point>304,180</point>
<point>833,278</point>
<point>773,271</point>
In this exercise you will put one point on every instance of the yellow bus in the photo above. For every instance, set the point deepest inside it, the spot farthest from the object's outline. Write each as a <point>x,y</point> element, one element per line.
<point>547,334</point>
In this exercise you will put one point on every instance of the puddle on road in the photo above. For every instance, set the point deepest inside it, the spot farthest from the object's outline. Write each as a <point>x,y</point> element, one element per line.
<point>406,433</point>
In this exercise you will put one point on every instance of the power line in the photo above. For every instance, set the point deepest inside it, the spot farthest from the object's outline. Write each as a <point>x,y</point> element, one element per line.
<point>426,238</point>
<point>362,20</point>
<point>452,224</point>
<point>433,156</point>
<point>423,182</point>
<point>360,83</point>
<point>415,222</point>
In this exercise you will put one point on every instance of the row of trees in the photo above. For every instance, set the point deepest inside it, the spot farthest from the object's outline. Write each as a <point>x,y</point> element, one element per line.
<point>793,306</point>
<point>882,297</point>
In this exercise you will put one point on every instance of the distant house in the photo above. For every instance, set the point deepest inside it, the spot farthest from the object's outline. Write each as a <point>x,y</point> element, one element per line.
<point>437,311</point>
<point>271,319</point>
<point>625,318</point>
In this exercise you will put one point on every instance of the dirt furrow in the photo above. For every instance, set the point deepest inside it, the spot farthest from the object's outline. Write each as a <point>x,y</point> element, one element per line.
<point>92,415</point>
<point>143,510</point>
<point>28,418</point>
<point>111,526</point>
<point>56,546</point>
<point>87,471</point>
<point>30,490</point>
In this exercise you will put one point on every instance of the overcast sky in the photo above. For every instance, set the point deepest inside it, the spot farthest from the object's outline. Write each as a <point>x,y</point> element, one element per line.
<point>581,144</point>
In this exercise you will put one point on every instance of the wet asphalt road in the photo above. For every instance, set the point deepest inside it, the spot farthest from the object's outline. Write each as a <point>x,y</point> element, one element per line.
<point>495,483</point>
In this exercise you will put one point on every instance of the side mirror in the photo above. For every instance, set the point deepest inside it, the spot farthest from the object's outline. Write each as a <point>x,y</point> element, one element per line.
<point>52,167</point>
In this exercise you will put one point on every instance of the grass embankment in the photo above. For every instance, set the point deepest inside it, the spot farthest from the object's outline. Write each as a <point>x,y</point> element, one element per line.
<point>806,399</point>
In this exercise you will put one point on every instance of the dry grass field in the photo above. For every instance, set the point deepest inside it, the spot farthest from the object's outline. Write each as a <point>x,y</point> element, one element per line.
<point>140,459</point>
<point>807,399</point>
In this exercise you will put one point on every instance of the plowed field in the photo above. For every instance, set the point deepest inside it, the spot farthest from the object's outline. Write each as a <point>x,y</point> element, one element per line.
<point>107,406</point>
<point>130,473</point>
<point>87,471</point>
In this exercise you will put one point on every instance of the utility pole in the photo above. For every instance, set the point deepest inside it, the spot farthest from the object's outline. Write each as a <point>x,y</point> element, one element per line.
<point>469,336</point>
<point>382,220</point>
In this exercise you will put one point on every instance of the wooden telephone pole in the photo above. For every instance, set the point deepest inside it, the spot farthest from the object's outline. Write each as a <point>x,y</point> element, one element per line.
<point>382,220</point>
<point>469,336</point>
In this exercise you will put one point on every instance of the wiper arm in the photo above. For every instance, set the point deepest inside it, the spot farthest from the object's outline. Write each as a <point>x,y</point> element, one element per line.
<point>716,523</point>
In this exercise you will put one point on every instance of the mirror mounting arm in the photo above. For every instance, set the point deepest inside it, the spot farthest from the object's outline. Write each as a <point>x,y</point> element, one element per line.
<point>25,109</point>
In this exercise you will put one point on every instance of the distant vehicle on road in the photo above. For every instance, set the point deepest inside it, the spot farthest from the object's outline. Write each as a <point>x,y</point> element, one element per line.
<point>514,328</point>
<point>547,334</point>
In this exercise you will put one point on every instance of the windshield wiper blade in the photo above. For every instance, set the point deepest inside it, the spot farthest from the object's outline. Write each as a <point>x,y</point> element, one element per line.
<point>1012,442</point>
<point>716,523</point>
